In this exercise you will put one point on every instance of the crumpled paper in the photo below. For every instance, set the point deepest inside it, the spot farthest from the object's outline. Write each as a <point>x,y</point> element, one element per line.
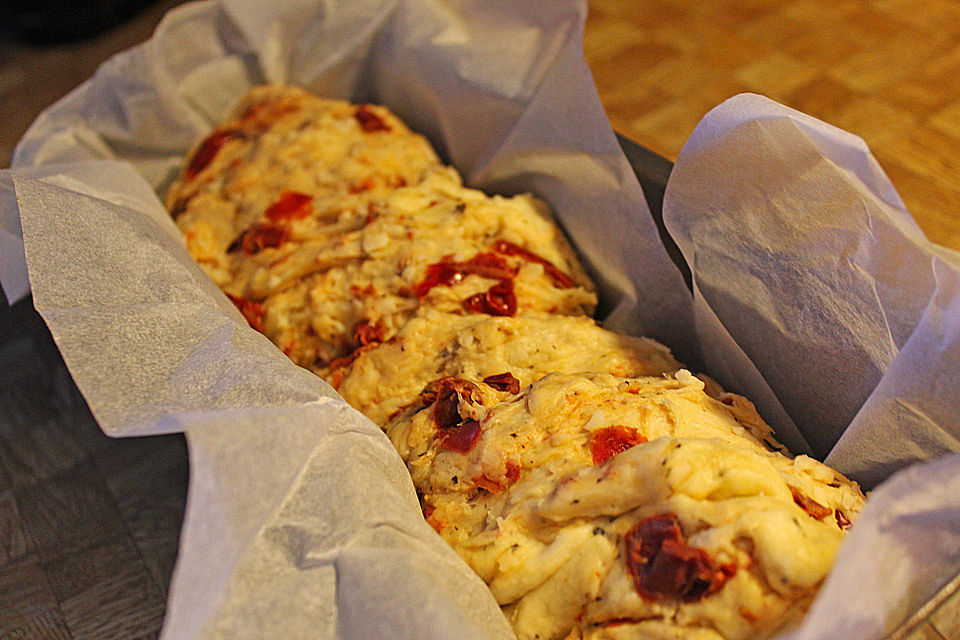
<point>815,294</point>
<point>818,297</point>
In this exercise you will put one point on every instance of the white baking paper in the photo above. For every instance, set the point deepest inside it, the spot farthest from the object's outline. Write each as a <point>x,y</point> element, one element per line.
<point>818,297</point>
<point>301,521</point>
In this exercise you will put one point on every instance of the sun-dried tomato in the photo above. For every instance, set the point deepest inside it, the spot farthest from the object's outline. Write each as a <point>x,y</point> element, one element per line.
<point>498,300</point>
<point>369,121</point>
<point>454,432</point>
<point>261,236</point>
<point>447,272</point>
<point>291,205</point>
<point>609,441</point>
<point>260,115</point>
<point>511,471</point>
<point>340,367</point>
<point>811,506</point>
<point>366,332</point>
<point>664,567</point>
<point>363,186</point>
<point>207,151</point>
<point>503,382</point>
<point>252,311</point>
<point>464,388</point>
<point>446,411</point>
<point>559,279</point>
<point>842,520</point>
<point>460,438</point>
<point>365,291</point>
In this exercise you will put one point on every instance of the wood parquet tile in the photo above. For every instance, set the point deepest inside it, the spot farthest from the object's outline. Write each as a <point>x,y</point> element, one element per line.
<point>89,525</point>
<point>886,70</point>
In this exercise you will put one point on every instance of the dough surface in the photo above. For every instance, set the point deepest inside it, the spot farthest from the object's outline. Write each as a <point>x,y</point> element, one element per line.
<point>601,490</point>
<point>546,493</point>
<point>331,224</point>
<point>435,345</point>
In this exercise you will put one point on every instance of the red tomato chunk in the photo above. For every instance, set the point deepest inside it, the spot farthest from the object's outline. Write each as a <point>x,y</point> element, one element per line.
<point>609,441</point>
<point>664,567</point>
<point>291,205</point>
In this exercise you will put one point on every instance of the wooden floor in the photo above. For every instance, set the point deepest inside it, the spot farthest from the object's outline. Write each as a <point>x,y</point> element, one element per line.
<point>89,525</point>
<point>886,70</point>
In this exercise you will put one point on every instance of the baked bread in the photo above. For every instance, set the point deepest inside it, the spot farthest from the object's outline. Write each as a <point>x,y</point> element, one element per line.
<point>288,168</point>
<point>330,224</point>
<point>559,496</point>
<point>427,248</point>
<point>462,441</point>
<point>508,352</point>
<point>599,489</point>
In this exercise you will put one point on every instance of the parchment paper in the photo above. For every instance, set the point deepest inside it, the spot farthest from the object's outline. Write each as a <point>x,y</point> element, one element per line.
<point>301,520</point>
<point>817,296</point>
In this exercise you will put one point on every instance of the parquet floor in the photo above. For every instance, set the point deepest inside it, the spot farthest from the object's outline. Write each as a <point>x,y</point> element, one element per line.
<point>886,70</point>
<point>89,525</point>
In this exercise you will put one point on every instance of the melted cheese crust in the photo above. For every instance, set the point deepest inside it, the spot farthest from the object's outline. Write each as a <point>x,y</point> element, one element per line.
<point>435,345</point>
<point>544,526</point>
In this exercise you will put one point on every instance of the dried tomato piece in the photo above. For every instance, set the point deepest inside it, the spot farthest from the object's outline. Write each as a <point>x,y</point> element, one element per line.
<point>512,471</point>
<point>252,311</point>
<point>498,300</point>
<point>433,389</point>
<point>366,332</point>
<point>369,121</point>
<point>447,272</point>
<point>261,236</point>
<point>460,438</point>
<point>455,432</point>
<point>609,441</point>
<point>446,412</point>
<point>360,187</point>
<point>488,265</point>
<point>259,116</point>
<point>503,382</point>
<point>842,520</point>
<point>664,567</point>
<point>438,273</point>
<point>811,506</point>
<point>207,151</point>
<point>559,279</point>
<point>291,205</point>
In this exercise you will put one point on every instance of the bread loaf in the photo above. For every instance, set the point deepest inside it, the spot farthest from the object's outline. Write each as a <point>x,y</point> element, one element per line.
<point>600,489</point>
